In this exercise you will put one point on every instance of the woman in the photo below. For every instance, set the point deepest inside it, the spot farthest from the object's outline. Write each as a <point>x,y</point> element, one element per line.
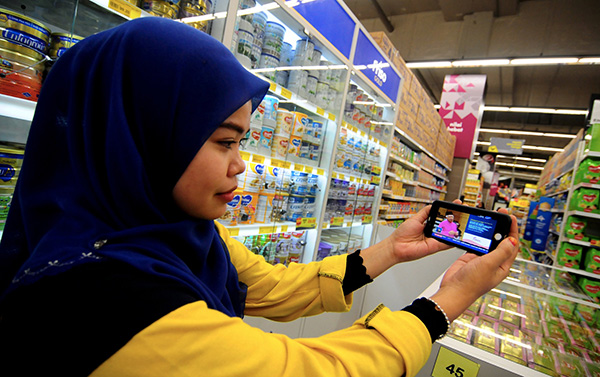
<point>112,264</point>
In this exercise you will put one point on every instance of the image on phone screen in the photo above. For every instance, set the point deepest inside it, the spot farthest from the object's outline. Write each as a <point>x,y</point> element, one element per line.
<point>474,232</point>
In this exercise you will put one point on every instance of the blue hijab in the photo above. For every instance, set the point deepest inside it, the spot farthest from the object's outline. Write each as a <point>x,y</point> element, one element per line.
<point>120,117</point>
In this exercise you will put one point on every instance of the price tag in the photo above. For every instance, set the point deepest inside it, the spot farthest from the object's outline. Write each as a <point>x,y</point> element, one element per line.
<point>362,133</point>
<point>345,124</point>
<point>287,164</point>
<point>337,221</point>
<point>125,8</point>
<point>320,111</point>
<point>308,169</point>
<point>375,180</point>
<point>245,156</point>
<point>258,158</point>
<point>451,364</point>
<point>334,175</point>
<point>284,228</point>
<point>306,223</point>
<point>299,167</point>
<point>265,229</point>
<point>341,176</point>
<point>349,224</point>
<point>233,232</point>
<point>383,144</point>
<point>351,179</point>
<point>367,219</point>
<point>377,170</point>
<point>320,172</point>
<point>286,93</point>
<point>273,87</point>
<point>331,117</point>
<point>276,163</point>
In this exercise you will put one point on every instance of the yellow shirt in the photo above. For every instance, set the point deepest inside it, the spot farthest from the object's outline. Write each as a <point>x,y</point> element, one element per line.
<point>194,340</point>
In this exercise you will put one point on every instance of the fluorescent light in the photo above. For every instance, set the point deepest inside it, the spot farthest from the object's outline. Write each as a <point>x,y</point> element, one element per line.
<point>539,160</point>
<point>536,167</point>
<point>495,108</point>
<point>571,112</point>
<point>441,64</point>
<point>259,70</point>
<point>484,142</point>
<point>531,110</point>
<point>543,148</point>
<point>258,8</point>
<point>383,123</point>
<point>589,61</point>
<point>530,133</point>
<point>543,61</point>
<point>480,63</point>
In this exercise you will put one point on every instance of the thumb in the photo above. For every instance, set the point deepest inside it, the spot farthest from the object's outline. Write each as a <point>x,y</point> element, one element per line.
<point>504,255</point>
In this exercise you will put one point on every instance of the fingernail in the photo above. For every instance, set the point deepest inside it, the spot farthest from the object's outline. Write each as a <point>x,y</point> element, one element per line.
<point>513,241</point>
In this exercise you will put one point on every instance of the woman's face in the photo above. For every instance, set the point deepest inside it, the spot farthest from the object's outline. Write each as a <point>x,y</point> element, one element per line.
<point>207,184</point>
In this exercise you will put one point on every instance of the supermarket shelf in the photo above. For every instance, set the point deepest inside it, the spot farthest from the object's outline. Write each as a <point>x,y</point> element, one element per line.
<point>419,146</point>
<point>267,228</point>
<point>581,272</point>
<point>13,107</point>
<point>105,4</point>
<point>345,224</point>
<point>565,172</point>
<point>470,200</point>
<point>395,217</point>
<point>399,179</point>
<point>384,207</point>
<point>590,154</point>
<point>291,97</point>
<point>584,214</point>
<point>554,232</point>
<point>388,194</point>
<point>404,162</point>
<point>550,293</point>
<point>587,185</point>
<point>557,210</point>
<point>439,175</point>
<point>475,186</point>
<point>557,193</point>
<point>431,187</point>
<point>579,242</point>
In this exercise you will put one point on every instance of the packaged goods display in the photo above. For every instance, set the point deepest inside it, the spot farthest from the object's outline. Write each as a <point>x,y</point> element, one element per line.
<point>10,166</point>
<point>338,242</point>
<point>348,200</point>
<point>277,248</point>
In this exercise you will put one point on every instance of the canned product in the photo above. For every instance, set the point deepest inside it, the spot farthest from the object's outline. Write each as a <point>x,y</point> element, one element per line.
<point>258,114</point>
<point>294,146</point>
<point>299,183</point>
<point>295,207</point>
<point>249,202</point>
<point>10,166</point>
<point>285,119</point>
<point>167,9</point>
<point>61,42</point>
<point>253,138</point>
<point>272,180</point>
<point>13,21</point>
<point>300,124</point>
<point>264,209</point>
<point>297,81</point>
<point>266,139</point>
<point>245,42</point>
<point>230,217</point>
<point>311,87</point>
<point>253,177</point>
<point>274,29</point>
<point>280,146</point>
<point>271,106</point>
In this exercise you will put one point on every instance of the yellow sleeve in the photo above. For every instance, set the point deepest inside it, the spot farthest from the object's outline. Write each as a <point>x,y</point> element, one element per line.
<point>197,341</point>
<point>285,293</point>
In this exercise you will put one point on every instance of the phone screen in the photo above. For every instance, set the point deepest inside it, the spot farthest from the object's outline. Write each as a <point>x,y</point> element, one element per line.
<point>474,232</point>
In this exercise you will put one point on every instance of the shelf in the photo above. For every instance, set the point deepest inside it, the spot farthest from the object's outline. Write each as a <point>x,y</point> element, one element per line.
<point>557,193</point>
<point>291,97</point>
<point>420,147</point>
<point>470,200</point>
<point>267,228</point>
<point>397,178</point>
<point>395,217</point>
<point>584,214</point>
<point>404,162</point>
<point>128,11</point>
<point>431,187</point>
<point>564,172</point>
<point>439,175</point>
<point>557,210</point>
<point>587,185</point>
<point>590,154</point>
<point>389,195</point>
<point>18,108</point>
<point>581,272</point>
<point>579,242</point>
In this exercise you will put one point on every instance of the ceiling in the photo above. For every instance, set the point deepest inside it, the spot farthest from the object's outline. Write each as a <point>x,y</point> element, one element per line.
<point>430,30</point>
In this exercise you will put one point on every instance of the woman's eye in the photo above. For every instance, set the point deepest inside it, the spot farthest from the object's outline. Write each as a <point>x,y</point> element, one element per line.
<point>227,144</point>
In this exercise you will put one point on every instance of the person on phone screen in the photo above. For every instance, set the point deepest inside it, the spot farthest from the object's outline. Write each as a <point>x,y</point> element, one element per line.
<point>448,226</point>
<point>112,263</point>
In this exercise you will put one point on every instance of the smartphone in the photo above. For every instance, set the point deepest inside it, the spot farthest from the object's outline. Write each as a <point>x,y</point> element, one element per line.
<point>472,229</point>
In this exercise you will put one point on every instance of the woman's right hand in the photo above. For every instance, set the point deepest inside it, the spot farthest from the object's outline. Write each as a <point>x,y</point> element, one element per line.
<point>471,276</point>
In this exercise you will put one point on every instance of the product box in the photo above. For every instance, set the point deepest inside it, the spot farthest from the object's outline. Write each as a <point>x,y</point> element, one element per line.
<point>587,313</point>
<point>569,255</point>
<point>591,287</point>
<point>542,359</point>
<point>531,218</point>
<point>586,200</point>
<point>592,261</point>
<point>588,171</point>
<point>542,224</point>
<point>384,42</point>
<point>575,228</point>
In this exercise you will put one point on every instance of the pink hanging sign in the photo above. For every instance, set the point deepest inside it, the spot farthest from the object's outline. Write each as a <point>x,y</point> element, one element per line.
<point>461,108</point>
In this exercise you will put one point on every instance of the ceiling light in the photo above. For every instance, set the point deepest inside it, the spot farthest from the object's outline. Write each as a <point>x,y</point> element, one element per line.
<point>543,61</point>
<point>539,160</point>
<point>589,61</point>
<point>533,147</point>
<point>258,8</point>
<point>495,108</point>
<point>441,64</point>
<point>480,63</point>
<point>571,112</point>
<point>535,110</point>
<point>536,167</point>
<point>531,110</point>
<point>530,133</point>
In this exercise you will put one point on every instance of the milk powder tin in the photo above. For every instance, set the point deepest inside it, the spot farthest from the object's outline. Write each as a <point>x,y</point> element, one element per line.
<point>249,203</point>
<point>279,147</point>
<point>10,166</point>
<point>266,138</point>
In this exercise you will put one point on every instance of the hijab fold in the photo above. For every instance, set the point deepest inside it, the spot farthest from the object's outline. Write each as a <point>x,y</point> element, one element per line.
<point>120,117</point>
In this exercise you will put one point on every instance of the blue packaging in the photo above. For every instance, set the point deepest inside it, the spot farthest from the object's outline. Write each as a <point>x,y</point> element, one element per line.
<point>530,224</point>
<point>542,224</point>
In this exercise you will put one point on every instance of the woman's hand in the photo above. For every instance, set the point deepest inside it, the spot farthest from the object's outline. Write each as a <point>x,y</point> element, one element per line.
<point>471,276</point>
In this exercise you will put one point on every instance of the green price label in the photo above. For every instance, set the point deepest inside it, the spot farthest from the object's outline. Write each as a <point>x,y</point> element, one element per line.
<point>451,364</point>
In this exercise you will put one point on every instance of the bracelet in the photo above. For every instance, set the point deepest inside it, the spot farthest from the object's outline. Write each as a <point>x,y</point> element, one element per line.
<point>439,309</point>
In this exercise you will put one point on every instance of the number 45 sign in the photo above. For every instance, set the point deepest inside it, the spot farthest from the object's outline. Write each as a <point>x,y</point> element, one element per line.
<point>451,364</point>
